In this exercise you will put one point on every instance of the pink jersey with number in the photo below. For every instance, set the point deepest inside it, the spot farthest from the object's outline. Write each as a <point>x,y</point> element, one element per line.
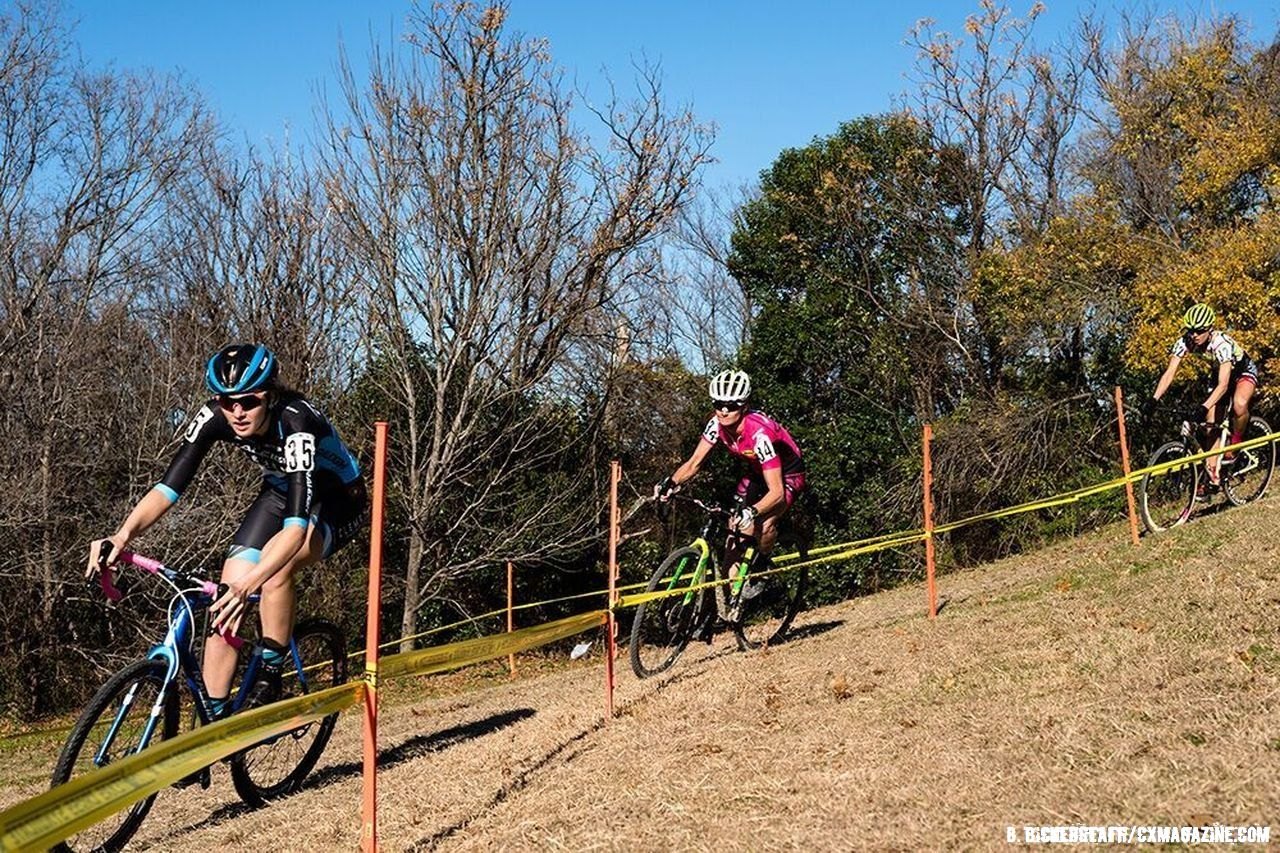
<point>762,441</point>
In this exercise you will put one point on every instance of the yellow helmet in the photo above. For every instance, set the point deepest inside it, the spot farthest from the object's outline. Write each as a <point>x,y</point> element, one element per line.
<point>1199,317</point>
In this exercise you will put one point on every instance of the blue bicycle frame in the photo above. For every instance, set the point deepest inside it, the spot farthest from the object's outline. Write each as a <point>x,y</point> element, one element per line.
<point>176,652</point>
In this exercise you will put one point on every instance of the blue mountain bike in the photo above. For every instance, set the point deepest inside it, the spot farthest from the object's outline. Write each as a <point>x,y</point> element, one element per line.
<point>141,705</point>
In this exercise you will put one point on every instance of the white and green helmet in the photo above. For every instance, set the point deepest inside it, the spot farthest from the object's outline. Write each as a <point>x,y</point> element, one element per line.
<point>731,386</point>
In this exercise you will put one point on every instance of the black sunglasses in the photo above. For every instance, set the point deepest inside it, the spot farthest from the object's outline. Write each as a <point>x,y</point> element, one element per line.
<point>248,403</point>
<point>727,405</point>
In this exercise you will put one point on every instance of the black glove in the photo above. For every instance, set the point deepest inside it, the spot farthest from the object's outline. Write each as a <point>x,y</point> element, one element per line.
<point>1198,415</point>
<point>1148,408</point>
<point>665,489</point>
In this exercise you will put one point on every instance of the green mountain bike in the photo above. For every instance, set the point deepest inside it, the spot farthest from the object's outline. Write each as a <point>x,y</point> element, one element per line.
<point>757,605</point>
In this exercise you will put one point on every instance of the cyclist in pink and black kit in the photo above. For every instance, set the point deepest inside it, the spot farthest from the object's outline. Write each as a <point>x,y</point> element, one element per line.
<point>775,467</point>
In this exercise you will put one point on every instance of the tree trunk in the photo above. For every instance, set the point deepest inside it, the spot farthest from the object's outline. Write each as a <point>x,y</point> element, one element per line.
<point>46,532</point>
<point>409,621</point>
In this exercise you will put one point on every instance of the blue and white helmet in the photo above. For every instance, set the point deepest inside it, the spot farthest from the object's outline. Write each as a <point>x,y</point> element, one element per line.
<point>732,386</point>
<point>241,368</point>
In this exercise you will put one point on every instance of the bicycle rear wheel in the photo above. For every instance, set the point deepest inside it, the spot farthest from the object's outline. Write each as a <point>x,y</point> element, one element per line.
<point>277,767</point>
<point>113,726</point>
<point>1246,478</point>
<point>766,616</point>
<point>662,626</point>
<point>1166,498</point>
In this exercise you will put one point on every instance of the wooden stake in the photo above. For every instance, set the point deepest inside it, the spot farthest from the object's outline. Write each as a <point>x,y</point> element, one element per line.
<point>1124,463</point>
<point>511,569</point>
<point>611,626</point>
<point>930,583</point>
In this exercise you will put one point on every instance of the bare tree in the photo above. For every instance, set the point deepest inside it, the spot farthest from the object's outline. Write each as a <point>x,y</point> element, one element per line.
<point>497,243</point>
<point>706,313</point>
<point>86,161</point>
<point>1007,112</point>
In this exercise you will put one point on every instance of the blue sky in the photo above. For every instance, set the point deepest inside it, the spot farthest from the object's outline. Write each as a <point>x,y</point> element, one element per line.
<point>769,74</point>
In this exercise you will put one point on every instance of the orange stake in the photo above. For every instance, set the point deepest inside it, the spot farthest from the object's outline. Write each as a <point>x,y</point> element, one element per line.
<point>928,524</point>
<point>611,626</point>
<point>373,630</point>
<point>1124,462</point>
<point>511,569</point>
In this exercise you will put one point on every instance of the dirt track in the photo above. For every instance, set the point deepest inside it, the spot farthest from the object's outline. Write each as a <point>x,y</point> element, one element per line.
<point>1088,683</point>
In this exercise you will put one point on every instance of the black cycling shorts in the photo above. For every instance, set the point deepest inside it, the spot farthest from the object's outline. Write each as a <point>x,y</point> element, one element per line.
<point>339,518</point>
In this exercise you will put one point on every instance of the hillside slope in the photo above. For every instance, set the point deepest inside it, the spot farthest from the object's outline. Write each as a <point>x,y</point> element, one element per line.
<point>1092,682</point>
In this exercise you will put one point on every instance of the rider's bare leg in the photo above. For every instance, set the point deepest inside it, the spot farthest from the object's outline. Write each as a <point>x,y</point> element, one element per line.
<point>219,655</point>
<point>767,525</point>
<point>279,597</point>
<point>276,610</point>
<point>1240,408</point>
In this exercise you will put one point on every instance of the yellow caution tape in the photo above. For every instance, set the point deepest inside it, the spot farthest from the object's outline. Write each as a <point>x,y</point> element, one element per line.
<point>1117,483</point>
<point>53,816</point>
<point>466,652</point>
<point>492,614</point>
<point>44,820</point>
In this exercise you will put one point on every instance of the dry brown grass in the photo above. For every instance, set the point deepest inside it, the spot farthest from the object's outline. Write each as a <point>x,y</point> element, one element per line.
<point>1090,683</point>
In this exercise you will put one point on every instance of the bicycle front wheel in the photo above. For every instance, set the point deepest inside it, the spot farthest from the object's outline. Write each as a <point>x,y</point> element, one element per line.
<point>766,615</point>
<point>277,767</point>
<point>1166,498</point>
<point>663,626</point>
<point>115,724</point>
<point>1246,478</point>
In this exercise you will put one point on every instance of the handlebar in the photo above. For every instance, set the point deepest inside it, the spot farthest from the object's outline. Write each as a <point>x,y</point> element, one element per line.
<point>155,567</point>
<point>709,508</point>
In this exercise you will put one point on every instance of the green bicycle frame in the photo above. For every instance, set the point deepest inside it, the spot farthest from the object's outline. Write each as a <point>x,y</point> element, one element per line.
<point>704,559</point>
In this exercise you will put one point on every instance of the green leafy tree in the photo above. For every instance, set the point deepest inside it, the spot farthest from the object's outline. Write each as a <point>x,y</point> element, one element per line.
<point>847,253</point>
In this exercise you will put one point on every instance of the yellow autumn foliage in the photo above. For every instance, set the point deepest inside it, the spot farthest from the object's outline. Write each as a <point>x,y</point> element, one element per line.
<point>1233,269</point>
<point>1204,110</point>
<point>1044,288</point>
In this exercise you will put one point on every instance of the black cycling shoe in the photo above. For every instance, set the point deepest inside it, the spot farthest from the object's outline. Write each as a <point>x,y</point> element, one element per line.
<point>266,689</point>
<point>201,777</point>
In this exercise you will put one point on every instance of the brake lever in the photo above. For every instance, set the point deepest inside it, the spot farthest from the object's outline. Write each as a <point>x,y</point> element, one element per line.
<point>113,593</point>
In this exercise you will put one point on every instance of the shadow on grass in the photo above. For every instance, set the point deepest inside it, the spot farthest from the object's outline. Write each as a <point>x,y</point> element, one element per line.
<point>690,666</point>
<point>413,748</point>
<point>813,629</point>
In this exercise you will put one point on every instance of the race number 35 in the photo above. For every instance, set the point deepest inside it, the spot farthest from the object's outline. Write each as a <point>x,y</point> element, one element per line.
<point>299,452</point>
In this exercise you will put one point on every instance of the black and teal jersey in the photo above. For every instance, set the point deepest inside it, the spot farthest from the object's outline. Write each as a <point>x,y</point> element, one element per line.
<point>300,453</point>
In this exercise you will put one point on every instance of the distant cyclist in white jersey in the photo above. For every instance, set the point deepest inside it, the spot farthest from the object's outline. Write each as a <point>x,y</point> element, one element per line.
<point>1236,382</point>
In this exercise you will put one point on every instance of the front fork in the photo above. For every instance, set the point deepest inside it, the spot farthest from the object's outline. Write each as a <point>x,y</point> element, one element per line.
<point>167,653</point>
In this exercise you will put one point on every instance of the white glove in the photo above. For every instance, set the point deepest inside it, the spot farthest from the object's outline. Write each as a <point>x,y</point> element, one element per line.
<point>744,518</point>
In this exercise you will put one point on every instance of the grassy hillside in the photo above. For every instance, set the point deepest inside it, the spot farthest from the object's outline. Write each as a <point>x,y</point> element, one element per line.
<point>1092,682</point>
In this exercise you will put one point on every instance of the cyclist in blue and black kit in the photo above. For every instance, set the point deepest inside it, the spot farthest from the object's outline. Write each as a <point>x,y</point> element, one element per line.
<point>311,503</point>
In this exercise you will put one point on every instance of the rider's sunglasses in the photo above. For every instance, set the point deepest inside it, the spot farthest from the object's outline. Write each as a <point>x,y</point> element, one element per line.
<point>247,403</point>
<point>727,405</point>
